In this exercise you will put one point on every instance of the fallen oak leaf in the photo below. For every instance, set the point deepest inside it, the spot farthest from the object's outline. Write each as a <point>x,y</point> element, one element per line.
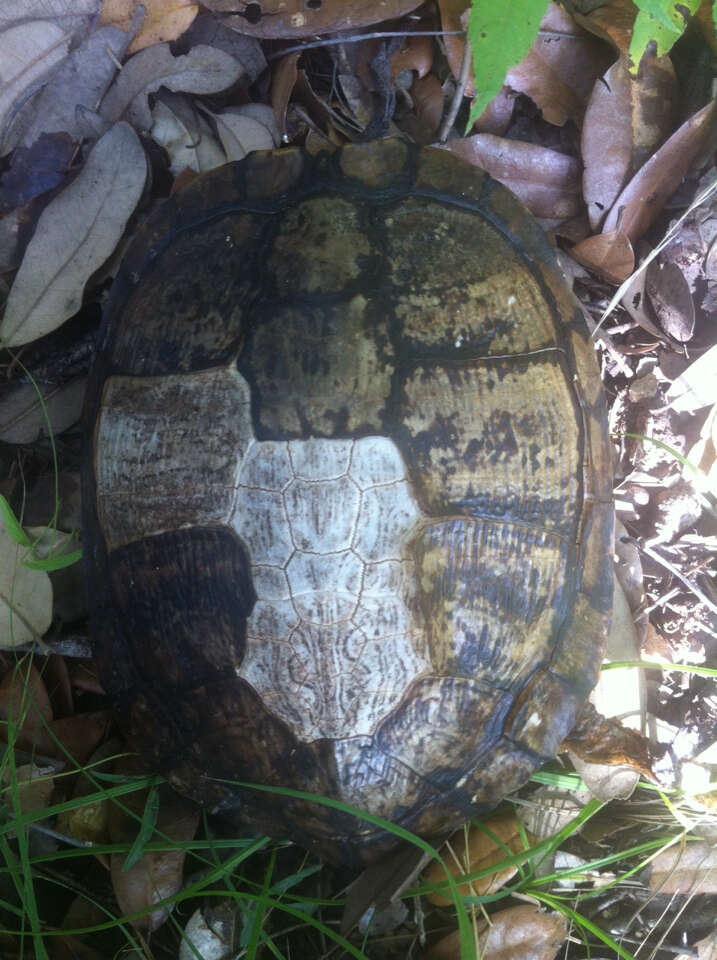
<point>75,234</point>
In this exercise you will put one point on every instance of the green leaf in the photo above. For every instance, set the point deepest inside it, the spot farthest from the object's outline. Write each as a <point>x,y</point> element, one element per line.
<point>15,531</point>
<point>146,830</point>
<point>500,35</point>
<point>661,22</point>
<point>54,563</point>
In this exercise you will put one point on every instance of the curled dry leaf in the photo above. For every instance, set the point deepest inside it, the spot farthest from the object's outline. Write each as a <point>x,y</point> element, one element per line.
<point>633,115</point>
<point>76,233</point>
<point>478,847</point>
<point>203,70</point>
<point>598,739</point>
<point>28,53</point>
<point>162,22</point>
<point>283,19</point>
<point>80,81</point>
<point>610,255</point>
<point>520,933</point>
<point>687,869</point>
<point>644,196</point>
<point>25,596</point>
<point>185,134</point>
<point>546,181</point>
<point>22,419</point>
<point>607,781</point>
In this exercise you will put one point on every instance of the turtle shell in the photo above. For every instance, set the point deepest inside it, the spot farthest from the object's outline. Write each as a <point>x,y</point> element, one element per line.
<point>347,505</point>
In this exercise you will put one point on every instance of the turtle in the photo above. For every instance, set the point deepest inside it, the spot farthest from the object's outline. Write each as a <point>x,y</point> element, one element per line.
<point>347,505</point>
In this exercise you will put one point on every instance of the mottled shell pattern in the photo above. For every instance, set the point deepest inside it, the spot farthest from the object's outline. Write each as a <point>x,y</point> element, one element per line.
<point>348,510</point>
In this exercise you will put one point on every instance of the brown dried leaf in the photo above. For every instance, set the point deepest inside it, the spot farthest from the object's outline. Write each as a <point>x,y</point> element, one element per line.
<point>610,255</point>
<point>546,181</point>
<point>204,69</point>
<point>561,68</point>
<point>283,19</point>
<point>415,53</point>
<point>597,739</point>
<point>472,849</point>
<point>79,735</point>
<point>28,53</point>
<point>34,786</point>
<point>671,299</point>
<point>427,95</point>
<point>497,115</point>
<point>633,116</point>
<point>76,233</point>
<point>520,933</point>
<point>613,21</point>
<point>283,82</point>
<point>162,21</point>
<point>645,195</point>
<point>687,869</point>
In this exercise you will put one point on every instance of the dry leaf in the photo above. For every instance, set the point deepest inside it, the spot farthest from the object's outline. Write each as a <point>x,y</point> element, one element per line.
<point>203,70</point>
<point>283,19</point>
<point>687,869</point>
<point>546,181</point>
<point>603,740</point>
<point>645,195</point>
<point>185,134</point>
<point>246,128</point>
<point>480,853</point>
<point>561,67</point>
<point>35,787</point>
<point>671,299</point>
<point>80,81</point>
<point>162,22</point>
<point>22,419</point>
<point>28,53</point>
<point>25,596</point>
<point>609,254</point>
<point>74,15</point>
<point>520,933</point>
<point>633,115</point>
<point>76,233</point>
<point>155,876</point>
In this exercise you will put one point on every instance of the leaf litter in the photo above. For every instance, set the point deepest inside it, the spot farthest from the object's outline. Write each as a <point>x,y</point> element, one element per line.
<point>105,106</point>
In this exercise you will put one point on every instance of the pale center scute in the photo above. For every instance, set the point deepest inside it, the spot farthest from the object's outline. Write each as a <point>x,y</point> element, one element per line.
<point>333,640</point>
